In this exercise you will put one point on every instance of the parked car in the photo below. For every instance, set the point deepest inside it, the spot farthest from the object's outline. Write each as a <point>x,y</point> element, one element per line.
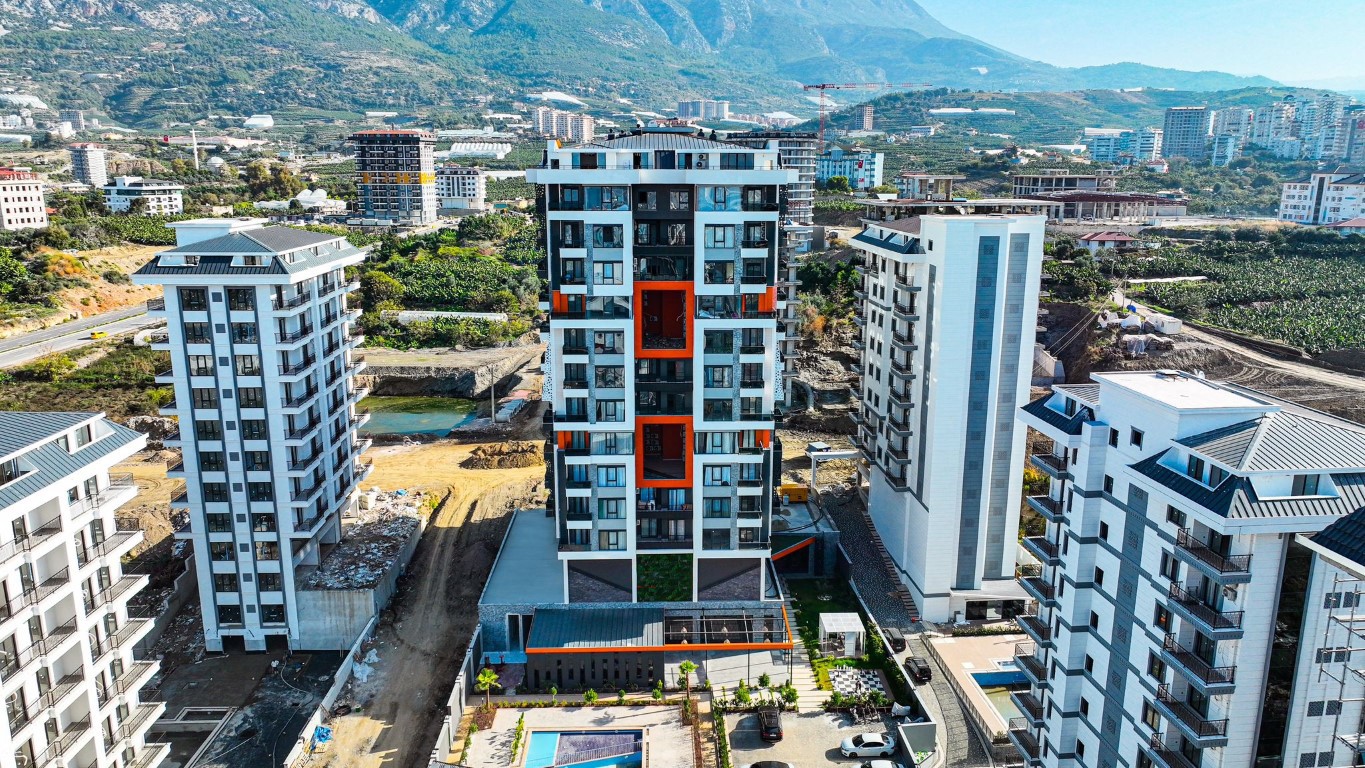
<point>869,745</point>
<point>771,764</point>
<point>770,724</point>
<point>895,639</point>
<point>918,670</point>
<point>881,764</point>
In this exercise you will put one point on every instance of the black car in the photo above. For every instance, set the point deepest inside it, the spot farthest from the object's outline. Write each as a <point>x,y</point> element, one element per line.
<point>918,669</point>
<point>770,724</point>
<point>895,639</point>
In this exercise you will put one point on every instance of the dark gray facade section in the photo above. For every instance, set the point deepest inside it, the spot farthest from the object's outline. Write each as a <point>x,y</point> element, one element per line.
<point>925,375</point>
<point>1002,431</point>
<point>1126,621</point>
<point>974,472</point>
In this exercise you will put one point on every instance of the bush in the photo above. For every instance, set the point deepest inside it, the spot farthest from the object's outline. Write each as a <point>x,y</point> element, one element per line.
<point>722,738</point>
<point>49,368</point>
<point>590,697</point>
<point>116,277</point>
<point>764,681</point>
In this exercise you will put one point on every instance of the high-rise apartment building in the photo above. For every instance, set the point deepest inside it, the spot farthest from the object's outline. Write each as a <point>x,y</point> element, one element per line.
<point>89,165</point>
<point>1109,145</point>
<point>704,109</point>
<point>867,116</point>
<point>1149,144</point>
<point>798,152</point>
<point>1225,148</point>
<point>1273,122</point>
<point>1319,125</point>
<point>1324,198</point>
<point>159,198</point>
<point>68,673</point>
<point>76,117</point>
<point>1233,121</point>
<point>1353,119</point>
<point>949,308</point>
<point>663,372</point>
<point>458,186</point>
<point>559,124</point>
<point>1180,616</point>
<point>395,174</point>
<point>263,368</point>
<point>863,169</point>
<point>22,202</point>
<point>1186,133</point>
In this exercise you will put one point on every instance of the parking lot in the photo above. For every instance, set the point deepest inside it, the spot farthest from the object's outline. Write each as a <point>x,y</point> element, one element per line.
<point>809,739</point>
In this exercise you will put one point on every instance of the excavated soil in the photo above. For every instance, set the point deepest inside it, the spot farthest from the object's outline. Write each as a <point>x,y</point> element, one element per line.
<point>514,455</point>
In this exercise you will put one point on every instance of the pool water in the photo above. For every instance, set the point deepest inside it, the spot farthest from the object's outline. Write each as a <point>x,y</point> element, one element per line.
<point>543,748</point>
<point>416,415</point>
<point>998,686</point>
<point>1000,699</point>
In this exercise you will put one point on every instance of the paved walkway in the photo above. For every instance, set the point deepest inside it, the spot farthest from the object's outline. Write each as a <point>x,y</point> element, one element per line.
<point>803,676</point>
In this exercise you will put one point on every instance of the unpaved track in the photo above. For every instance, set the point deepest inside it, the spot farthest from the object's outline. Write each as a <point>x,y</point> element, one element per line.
<point>422,636</point>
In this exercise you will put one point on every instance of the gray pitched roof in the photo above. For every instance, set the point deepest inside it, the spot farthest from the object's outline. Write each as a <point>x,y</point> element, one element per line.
<point>1236,498</point>
<point>1090,393</point>
<point>1288,440</point>
<point>867,238</point>
<point>597,628</point>
<point>1346,537</point>
<point>50,461</point>
<point>215,255</point>
<point>1068,424</point>
<point>659,140</point>
<point>22,429</point>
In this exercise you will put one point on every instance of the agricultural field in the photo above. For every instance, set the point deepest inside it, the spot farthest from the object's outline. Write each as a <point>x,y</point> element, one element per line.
<point>1286,288</point>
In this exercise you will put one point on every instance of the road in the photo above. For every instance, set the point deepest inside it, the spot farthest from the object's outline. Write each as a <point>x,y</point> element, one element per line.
<point>20,349</point>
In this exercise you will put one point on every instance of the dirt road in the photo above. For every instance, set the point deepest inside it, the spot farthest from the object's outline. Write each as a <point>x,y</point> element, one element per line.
<point>401,704</point>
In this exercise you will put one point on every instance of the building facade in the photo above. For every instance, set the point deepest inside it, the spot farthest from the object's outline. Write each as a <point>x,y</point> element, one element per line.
<point>263,367</point>
<point>161,198</point>
<point>395,172</point>
<point>1186,133</point>
<point>68,672</point>
<point>76,117</point>
<point>1324,198</point>
<point>917,185</point>
<point>1149,144</point>
<point>1272,123</point>
<point>23,204</point>
<point>1049,180</point>
<point>704,109</point>
<point>797,151</point>
<point>89,165</point>
<point>862,169</point>
<point>1110,145</point>
<point>1224,149</point>
<point>1233,121</point>
<point>459,186</point>
<point>559,124</point>
<point>663,371</point>
<point>1179,617</point>
<point>867,118</point>
<point>949,308</point>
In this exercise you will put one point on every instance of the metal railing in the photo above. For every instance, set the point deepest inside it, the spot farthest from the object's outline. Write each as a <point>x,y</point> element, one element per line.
<point>1209,616</point>
<point>1198,724</point>
<point>1201,669</point>
<point>1228,564</point>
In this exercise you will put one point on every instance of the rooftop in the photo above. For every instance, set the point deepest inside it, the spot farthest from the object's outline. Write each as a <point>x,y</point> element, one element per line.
<point>1182,390</point>
<point>658,139</point>
<point>528,569</point>
<point>1345,537</point>
<point>50,462</point>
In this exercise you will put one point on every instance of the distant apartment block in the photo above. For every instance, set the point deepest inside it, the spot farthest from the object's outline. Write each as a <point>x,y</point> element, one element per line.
<point>1192,579</point>
<point>704,109</point>
<point>1354,131</point>
<point>263,366</point>
<point>1060,180</point>
<point>89,165</point>
<point>1186,133</point>
<point>160,197</point>
<point>68,670</point>
<point>74,117</point>
<point>1225,148</point>
<point>863,169</point>
<point>395,178</point>
<point>1150,143</point>
<point>1319,124</point>
<point>796,150</point>
<point>1272,123</point>
<point>461,187</point>
<point>917,185</point>
<point>1233,121</point>
<point>559,124</point>
<point>23,205</point>
<point>1110,145</point>
<point>948,312</point>
<point>1324,198</point>
<point>867,118</point>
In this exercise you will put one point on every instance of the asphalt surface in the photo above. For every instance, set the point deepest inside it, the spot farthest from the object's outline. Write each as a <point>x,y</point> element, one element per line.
<point>25,347</point>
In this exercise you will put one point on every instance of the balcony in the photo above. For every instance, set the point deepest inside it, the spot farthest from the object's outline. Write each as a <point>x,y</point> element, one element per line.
<point>1032,666</point>
<point>140,720</point>
<point>65,744</point>
<point>899,455</point>
<point>903,342</point>
<point>1201,731</point>
<point>1040,589</point>
<point>1021,736</point>
<point>900,398</point>
<point>1040,547</point>
<point>1029,706</point>
<point>664,542</point>
<point>900,425</point>
<point>1202,675</point>
<point>295,369</point>
<point>902,371</point>
<point>905,312</point>
<point>1221,625</point>
<point>152,755</point>
<point>1051,509</point>
<point>122,588</point>
<point>1166,757</point>
<point>289,337</point>
<point>156,306</point>
<point>134,677</point>
<point>131,632</point>
<point>1035,628</point>
<point>292,302</point>
<point>300,400</point>
<point>1229,569</point>
<point>1053,465</point>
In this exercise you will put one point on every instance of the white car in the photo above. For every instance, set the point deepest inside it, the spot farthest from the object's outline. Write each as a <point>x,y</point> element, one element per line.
<point>869,745</point>
<point>881,764</point>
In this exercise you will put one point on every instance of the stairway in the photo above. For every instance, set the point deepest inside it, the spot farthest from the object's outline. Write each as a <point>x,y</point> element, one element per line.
<point>803,677</point>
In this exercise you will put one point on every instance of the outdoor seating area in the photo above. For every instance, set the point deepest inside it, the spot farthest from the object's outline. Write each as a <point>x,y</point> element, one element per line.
<point>842,635</point>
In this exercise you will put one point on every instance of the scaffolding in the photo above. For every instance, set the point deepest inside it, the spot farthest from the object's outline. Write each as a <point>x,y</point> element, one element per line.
<point>1352,679</point>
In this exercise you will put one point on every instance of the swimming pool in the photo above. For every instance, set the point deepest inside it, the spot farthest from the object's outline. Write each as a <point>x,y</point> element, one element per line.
<point>585,749</point>
<point>998,686</point>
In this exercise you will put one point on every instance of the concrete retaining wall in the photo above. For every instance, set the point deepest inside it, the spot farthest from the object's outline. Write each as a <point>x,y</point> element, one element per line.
<point>455,704</point>
<point>303,746</point>
<point>473,382</point>
<point>183,588</point>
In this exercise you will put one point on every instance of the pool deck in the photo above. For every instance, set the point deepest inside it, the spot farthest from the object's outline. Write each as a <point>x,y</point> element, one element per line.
<point>962,656</point>
<point>667,743</point>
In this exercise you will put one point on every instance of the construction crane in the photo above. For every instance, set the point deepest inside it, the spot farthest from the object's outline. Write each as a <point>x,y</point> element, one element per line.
<point>826,103</point>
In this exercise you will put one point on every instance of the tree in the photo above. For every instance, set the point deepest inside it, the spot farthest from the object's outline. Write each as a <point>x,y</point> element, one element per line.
<point>486,682</point>
<point>138,207</point>
<point>590,697</point>
<point>884,189</point>
<point>687,668</point>
<point>838,184</point>
<point>13,274</point>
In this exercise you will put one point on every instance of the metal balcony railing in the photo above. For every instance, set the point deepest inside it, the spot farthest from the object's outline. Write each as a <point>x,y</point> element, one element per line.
<point>1198,724</point>
<point>1205,614</point>
<point>1227,564</point>
<point>1196,666</point>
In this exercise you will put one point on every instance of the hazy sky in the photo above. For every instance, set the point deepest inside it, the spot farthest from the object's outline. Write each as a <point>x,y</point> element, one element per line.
<point>1293,41</point>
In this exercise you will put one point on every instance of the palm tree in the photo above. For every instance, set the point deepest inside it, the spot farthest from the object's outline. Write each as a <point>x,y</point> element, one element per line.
<point>486,681</point>
<point>687,668</point>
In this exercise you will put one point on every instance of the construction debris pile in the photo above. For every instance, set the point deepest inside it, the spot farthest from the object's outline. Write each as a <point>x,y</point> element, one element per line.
<point>370,545</point>
<point>511,455</point>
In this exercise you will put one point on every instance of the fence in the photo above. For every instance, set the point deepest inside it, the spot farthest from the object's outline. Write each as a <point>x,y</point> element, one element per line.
<point>455,704</point>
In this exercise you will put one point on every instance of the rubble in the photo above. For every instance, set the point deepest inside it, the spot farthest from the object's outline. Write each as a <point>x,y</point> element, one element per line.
<point>370,544</point>
<point>509,455</point>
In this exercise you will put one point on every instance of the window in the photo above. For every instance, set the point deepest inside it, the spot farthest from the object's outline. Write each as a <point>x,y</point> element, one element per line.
<point>1305,485</point>
<point>1109,485</point>
<point>607,273</point>
<point>680,200</point>
<point>609,236</point>
<point>251,397</point>
<point>1099,577</point>
<point>196,333</point>
<point>611,540</point>
<point>1216,476</point>
<point>201,365</point>
<point>719,376</point>
<point>611,477</point>
<point>1161,619</point>
<point>1135,438</point>
<point>1174,515</point>
<point>229,614</point>
<point>610,375</point>
<point>611,509</point>
<point>193,299</point>
<point>1094,620</point>
<point>1170,567</point>
<point>263,522</point>
<point>718,508</point>
<point>713,475</point>
<point>218,522</point>
<point>267,550</point>
<point>1089,663</point>
<point>1113,436</point>
<point>260,491</point>
<point>720,236</point>
<point>215,492</point>
<point>224,582</point>
<point>1195,468</point>
<point>244,333</point>
<point>220,551</point>
<point>1150,716</point>
<point>1085,712</point>
<point>247,365</point>
<point>241,298</point>
<point>257,460</point>
<point>255,429</point>
<point>1080,745</point>
<point>269,582</point>
<point>1104,531</point>
<point>204,397</point>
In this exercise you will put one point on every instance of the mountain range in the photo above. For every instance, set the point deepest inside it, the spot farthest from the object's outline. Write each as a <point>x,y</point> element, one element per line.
<point>155,61</point>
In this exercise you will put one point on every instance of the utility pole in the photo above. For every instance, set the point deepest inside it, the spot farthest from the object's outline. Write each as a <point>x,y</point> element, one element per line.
<point>194,147</point>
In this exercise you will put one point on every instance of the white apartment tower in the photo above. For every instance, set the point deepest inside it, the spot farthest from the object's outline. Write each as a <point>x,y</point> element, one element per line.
<point>796,151</point>
<point>23,205</point>
<point>949,308</point>
<point>160,198</point>
<point>68,672</point>
<point>89,165</point>
<point>459,186</point>
<point>663,366</point>
<point>263,367</point>
<point>1181,619</point>
<point>1325,197</point>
